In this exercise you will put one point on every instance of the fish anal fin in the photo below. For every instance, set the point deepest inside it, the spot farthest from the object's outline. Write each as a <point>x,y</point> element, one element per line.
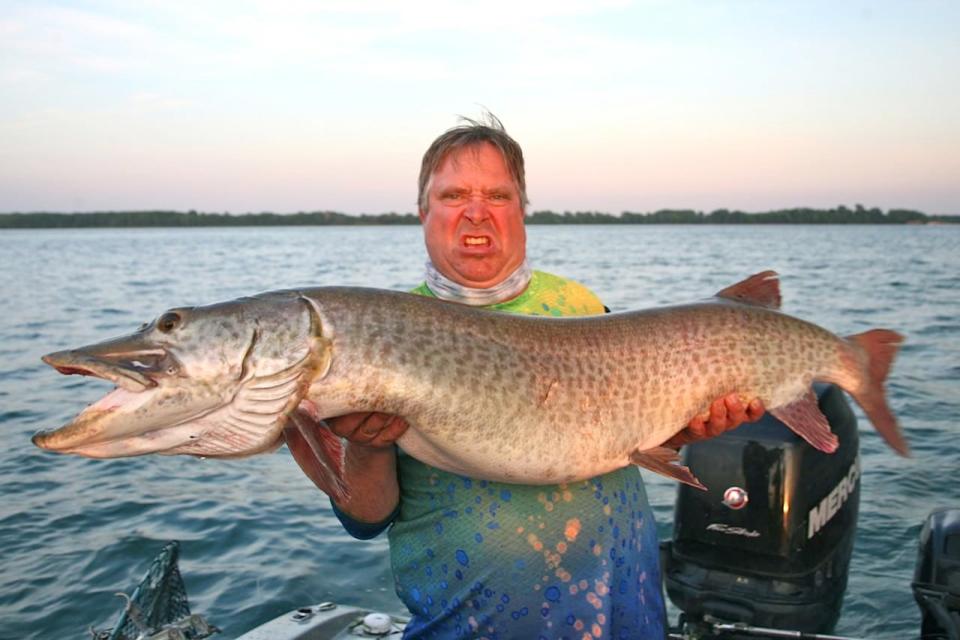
<point>804,418</point>
<point>761,289</point>
<point>663,460</point>
<point>320,452</point>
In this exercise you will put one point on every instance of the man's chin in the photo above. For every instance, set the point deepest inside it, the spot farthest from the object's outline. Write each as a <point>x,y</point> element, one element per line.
<point>475,278</point>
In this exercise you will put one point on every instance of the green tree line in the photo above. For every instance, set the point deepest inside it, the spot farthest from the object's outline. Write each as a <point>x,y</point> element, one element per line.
<point>44,220</point>
<point>838,215</point>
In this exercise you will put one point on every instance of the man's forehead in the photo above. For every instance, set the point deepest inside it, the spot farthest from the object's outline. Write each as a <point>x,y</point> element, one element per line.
<point>480,153</point>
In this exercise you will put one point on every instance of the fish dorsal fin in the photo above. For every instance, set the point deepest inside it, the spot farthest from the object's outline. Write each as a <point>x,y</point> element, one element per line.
<point>761,289</point>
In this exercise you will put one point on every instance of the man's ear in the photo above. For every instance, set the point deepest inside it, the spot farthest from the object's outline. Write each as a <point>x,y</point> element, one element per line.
<point>423,215</point>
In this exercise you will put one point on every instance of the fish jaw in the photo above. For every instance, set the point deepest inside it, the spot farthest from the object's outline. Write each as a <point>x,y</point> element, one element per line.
<point>89,424</point>
<point>131,423</point>
<point>114,365</point>
<point>102,430</point>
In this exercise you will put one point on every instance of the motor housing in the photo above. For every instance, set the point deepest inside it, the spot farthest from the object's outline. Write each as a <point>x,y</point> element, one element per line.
<point>769,543</point>
<point>936,579</point>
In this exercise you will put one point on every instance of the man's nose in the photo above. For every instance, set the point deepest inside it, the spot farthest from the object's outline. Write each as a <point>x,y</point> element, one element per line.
<point>476,211</point>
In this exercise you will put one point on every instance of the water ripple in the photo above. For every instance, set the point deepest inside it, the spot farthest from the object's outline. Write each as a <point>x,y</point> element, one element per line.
<point>258,539</point>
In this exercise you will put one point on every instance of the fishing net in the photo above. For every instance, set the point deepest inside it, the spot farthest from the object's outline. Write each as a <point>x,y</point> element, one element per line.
<point>158,608</point>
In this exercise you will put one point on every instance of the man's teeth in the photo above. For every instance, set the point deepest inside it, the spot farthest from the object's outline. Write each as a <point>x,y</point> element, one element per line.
<point>476,241</point>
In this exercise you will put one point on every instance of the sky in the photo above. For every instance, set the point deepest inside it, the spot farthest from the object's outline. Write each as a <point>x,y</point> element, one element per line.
<point>246,106</point>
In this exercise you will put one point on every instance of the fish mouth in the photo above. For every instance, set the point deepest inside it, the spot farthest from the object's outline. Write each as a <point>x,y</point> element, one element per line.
<point>133,368</point>
<point>132,371</point>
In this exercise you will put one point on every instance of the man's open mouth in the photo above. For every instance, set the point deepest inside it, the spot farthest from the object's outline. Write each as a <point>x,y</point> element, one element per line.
<point>476,241</point>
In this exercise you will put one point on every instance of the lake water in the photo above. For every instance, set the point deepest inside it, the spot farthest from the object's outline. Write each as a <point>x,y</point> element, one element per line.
<point>258,539</point>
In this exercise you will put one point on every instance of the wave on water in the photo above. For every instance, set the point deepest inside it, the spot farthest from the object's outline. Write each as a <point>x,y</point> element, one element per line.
<point>258,539</point>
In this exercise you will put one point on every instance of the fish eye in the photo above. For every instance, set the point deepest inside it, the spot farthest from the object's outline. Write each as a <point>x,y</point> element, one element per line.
<point>168,321</point>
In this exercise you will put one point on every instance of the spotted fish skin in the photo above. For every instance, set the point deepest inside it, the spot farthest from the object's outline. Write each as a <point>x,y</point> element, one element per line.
<point>543,400</point>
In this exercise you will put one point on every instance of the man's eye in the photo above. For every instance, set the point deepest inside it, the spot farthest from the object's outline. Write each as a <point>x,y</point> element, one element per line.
<point>452,196</point>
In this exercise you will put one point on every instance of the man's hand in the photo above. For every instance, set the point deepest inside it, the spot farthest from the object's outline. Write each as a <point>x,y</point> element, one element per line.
<point>368,489</point>
<point>369,429</point>
<point>726,413</point>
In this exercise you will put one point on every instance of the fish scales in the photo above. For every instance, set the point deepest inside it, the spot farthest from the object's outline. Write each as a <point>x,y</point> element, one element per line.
<point>487,395</point>
<point>563,399</point>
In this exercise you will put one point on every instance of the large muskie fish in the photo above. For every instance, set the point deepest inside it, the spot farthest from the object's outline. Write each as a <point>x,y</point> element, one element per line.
<point>487,395</point>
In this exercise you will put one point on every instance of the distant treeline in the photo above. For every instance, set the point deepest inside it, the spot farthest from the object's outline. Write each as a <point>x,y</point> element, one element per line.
<point>194,219</point>
<point>839,215</point>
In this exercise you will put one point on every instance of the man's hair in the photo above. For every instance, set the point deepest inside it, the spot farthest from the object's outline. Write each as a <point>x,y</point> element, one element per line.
<point>473,133</point>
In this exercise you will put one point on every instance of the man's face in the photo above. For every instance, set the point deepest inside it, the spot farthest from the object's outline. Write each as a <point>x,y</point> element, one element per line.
<point>473,227</point>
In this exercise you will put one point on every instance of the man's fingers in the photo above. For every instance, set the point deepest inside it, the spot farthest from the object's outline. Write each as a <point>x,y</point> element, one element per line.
<point>395,427</point>
<point>697,426</point>
<point>372,429</point>
<point>736,413</point>
<point>725,413</point>
<point>717,423</point>
<point>755,410</point>
<point>344,426</point>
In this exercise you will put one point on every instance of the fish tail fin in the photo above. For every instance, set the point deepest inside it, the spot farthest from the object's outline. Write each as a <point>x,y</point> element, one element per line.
<point>880,347</point>
<point>318,451</point>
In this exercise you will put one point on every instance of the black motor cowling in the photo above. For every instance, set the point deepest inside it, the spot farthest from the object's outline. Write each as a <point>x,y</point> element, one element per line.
<point>936,579</point>
<point>769,542</point>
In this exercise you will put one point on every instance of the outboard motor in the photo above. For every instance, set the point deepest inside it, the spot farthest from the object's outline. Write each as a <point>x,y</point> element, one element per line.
<point>769,543</point>
<point>936,579</point>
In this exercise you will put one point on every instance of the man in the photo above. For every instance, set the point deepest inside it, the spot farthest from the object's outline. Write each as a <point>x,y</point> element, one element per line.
<point>474,558</point>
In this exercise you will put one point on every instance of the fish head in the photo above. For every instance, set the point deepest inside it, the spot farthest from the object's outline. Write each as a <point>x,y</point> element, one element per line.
<point>216,380</point>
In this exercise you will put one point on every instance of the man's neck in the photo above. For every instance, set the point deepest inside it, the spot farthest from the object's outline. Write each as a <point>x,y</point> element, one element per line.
<point>507,289</point>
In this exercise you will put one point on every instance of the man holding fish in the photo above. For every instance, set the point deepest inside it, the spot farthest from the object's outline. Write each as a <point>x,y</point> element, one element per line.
<point>519,511</point>
<point>473,558</point>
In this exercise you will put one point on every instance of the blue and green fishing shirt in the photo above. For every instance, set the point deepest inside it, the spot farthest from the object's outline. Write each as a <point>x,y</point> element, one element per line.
<point>479,559</point>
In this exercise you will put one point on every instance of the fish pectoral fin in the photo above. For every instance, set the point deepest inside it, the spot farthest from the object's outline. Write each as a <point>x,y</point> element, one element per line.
<point>663,460</point>
<point>804,418</point>
<point>318,451</point>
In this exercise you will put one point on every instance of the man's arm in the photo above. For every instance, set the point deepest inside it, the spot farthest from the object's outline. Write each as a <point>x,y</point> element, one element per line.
<point>370,463</point>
